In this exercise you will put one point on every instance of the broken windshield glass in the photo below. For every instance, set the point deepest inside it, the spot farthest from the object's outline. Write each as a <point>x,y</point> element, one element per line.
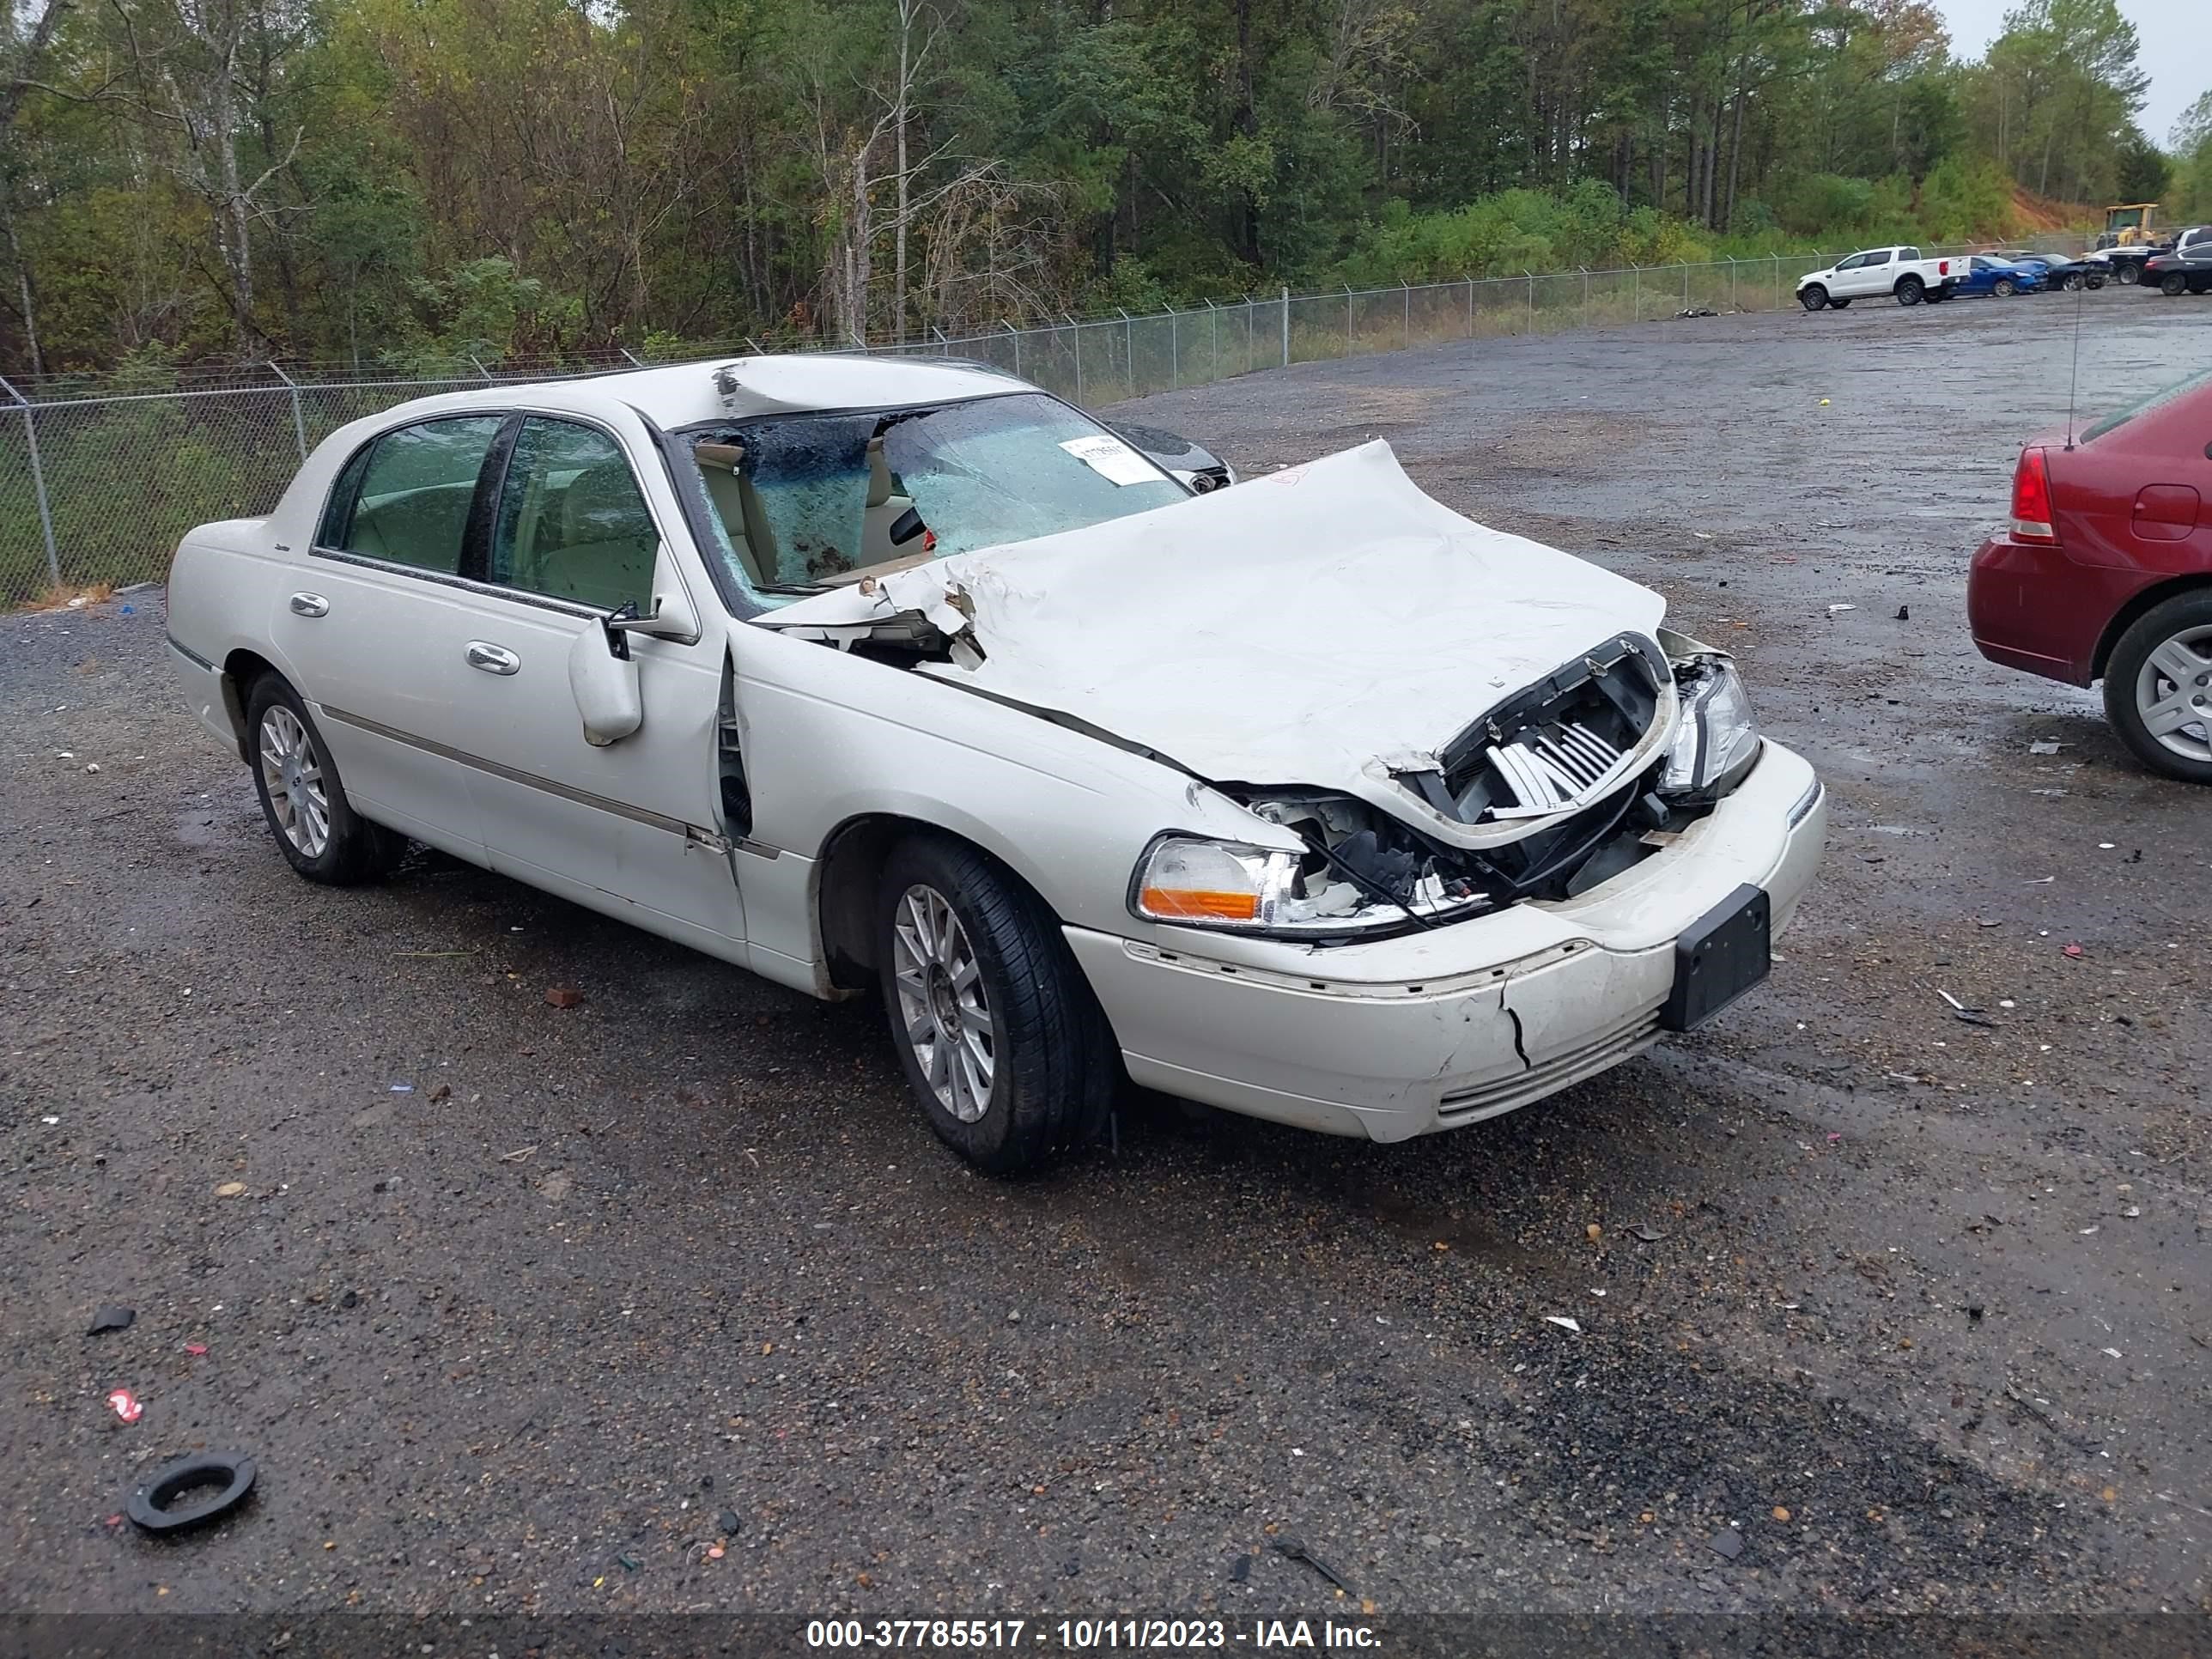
<point>818,500</point>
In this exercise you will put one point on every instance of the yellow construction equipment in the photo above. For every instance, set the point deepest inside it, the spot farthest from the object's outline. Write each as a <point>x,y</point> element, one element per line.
<point>2129,225</point>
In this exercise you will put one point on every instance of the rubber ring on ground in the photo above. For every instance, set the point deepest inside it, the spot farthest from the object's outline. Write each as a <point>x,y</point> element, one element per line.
<point>146,1505</point>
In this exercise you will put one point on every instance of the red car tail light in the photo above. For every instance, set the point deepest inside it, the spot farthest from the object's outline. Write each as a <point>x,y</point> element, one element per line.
<point>2031,499</point>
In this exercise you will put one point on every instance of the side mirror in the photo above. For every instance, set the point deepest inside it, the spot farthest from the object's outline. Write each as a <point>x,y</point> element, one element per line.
<point>671,616</point>
<point>603,679</point>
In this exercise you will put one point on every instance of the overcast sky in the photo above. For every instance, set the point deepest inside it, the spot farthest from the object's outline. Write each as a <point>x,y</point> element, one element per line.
<point>2176,48</point>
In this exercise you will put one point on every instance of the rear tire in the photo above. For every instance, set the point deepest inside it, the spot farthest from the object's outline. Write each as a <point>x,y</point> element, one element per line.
<point>317,830</point>
<point>2125,274</point>
<point>999,1036</point>
<point>2149,668</point>
<point>1815,298</point>
<point>1911,290</point>
<point>1840,305</point>
<point>2173,285</point>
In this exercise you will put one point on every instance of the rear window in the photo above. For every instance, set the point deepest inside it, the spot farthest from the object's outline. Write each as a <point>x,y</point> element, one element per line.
<point>2157,399</point>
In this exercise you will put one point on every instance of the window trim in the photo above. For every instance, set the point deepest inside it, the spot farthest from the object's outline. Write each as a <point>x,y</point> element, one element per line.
<point>473,576</point>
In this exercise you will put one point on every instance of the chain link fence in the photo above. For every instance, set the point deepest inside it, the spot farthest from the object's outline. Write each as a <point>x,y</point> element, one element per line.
<point>97,485</point>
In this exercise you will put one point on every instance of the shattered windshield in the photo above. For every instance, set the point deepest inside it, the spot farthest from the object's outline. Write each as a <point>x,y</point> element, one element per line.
<point>807,501</point>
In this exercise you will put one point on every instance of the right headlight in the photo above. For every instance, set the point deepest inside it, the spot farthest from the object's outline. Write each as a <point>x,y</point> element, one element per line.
<point>1716,740</point>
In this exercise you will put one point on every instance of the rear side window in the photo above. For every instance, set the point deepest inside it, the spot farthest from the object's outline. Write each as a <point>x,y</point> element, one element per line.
<point>416,487</point>
<point>1878,258</point>
<point>2158,400</point>
<point>573,524</point>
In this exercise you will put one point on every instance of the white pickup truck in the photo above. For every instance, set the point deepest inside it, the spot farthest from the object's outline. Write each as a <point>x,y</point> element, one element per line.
<point>1886,271</point>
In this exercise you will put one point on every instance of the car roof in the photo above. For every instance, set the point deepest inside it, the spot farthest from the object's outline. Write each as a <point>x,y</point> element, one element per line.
<point>739,388</point>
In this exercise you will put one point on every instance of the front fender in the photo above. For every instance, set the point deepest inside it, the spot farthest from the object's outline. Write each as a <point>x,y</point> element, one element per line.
<point>827,737</point>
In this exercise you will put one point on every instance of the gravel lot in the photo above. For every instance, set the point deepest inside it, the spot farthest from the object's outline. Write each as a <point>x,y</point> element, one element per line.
<point>524,1308</point>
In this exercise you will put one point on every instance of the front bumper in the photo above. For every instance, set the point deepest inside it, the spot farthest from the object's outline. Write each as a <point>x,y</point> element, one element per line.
<point>1427,1031</point>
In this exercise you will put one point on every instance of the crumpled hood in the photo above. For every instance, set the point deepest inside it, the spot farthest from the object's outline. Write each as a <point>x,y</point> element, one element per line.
<point>1323,625</point>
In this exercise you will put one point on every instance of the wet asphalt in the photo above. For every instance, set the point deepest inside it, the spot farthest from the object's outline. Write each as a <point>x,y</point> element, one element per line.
<point>669,1301</point>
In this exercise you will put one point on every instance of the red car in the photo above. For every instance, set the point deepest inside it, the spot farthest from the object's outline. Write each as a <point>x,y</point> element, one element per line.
<point>2105,573</point>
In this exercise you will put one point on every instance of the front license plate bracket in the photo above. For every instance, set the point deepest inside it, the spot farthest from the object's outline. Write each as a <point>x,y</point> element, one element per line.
<point>1723,954</point>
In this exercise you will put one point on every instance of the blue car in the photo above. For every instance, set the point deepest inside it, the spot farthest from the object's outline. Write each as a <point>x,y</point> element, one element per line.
<point>2001,277</point>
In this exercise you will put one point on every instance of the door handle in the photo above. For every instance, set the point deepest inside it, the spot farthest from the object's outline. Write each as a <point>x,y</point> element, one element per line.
<point>310,604</point>
<point>492,659</point>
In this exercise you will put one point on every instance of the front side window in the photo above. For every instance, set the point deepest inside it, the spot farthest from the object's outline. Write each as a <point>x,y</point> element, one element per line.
<point>573,524</point>
<point>1851,264</point>
<point>807,501</point>
<point>412,506</point>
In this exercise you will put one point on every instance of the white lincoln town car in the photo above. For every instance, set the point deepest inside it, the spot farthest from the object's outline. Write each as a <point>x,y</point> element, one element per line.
<point>1306,798</point>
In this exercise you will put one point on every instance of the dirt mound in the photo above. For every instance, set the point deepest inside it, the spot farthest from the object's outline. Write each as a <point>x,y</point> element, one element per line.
<point>2032,212</point>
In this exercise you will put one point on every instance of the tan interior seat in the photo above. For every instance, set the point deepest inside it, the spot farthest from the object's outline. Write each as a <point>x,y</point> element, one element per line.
<point>421,527</point>
<point>607,542</point>
<point>726,493</point>
<point>886,506</point>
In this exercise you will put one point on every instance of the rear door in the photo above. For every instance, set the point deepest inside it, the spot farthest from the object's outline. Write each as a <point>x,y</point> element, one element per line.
<point>376,629</point>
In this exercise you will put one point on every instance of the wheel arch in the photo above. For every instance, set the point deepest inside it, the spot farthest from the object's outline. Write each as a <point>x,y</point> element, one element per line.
<point>2128,614</point>
<point>847,876</point>
<point>239,670</point>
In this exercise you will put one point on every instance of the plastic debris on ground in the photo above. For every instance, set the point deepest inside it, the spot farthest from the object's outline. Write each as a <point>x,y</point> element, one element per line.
<point>563,996</point>
<point>111,1318</point>
<point>1563,1322</point>
<point>124,1404</point>
<point>2044,746</point>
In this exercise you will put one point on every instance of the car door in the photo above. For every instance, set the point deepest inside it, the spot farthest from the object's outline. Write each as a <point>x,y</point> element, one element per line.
<point>1872,276</point>
<point>374,633</point>
<point>632,827</point>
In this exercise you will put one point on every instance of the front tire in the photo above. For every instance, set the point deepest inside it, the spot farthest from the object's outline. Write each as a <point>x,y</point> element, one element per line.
<point>1911,290</point>
<point>2004,288</point>
<point>1001,1038</point>
<point>1815,298</point>
<point>316,828</point>
<point>2158,687</point>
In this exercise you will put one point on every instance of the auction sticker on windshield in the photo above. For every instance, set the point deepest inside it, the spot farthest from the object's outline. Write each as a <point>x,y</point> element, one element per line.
<point>1112,461</point>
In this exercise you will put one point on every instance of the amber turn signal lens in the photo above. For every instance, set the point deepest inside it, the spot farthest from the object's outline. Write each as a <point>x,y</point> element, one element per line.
<point>1171,902</point>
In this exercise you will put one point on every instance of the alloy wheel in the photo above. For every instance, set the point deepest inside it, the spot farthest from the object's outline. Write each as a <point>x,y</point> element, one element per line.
<point>942,1006</point>
<point>2174,693</point>
<point>294,778</point>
